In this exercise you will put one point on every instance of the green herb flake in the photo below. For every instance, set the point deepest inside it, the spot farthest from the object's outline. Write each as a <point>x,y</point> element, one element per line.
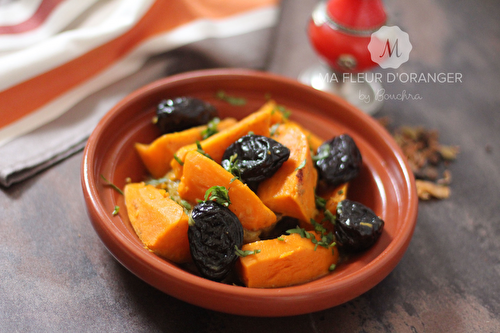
<point>116,188</point>
<point>273,130</point>
<point>280,239</point>
<point>284,111</point>
<point>211,128</point>
<point>327,238</point>
<point>330,217</point>
<point>320,202</point>
<point>318,227</point>
<point>302,165</point>
<point>241,253</point>
<point>332,267</point>
<point>178,160</point>
<point>116,211</point>
<point>324,152</point>
<point>237,101</point>
<point>301,231</point>
<point>232,167</point>
<point>218,194</point>
<point>200,150</point>
<point>186,204</point>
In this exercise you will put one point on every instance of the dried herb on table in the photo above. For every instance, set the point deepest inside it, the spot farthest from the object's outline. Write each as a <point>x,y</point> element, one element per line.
<point>427,157</point>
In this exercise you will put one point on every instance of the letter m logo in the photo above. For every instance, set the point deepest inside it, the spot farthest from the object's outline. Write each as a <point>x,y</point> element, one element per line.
<point>389,47</point>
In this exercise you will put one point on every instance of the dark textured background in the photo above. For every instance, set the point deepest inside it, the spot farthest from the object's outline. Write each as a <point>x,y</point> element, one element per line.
<point>56,276</point>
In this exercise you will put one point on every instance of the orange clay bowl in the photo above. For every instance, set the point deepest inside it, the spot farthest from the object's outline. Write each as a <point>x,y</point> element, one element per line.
<point>385,184</point>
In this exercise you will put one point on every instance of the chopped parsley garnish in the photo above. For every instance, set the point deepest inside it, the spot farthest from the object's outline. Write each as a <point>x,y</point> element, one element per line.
<point>321,205</point>
<point>116,210</point>
<point>200,150</point>
<point>178,160</point>
<point>327,239</point>
<point>302,164</point>
<point>284,111</point>
<point>237,101</point>
<point>330,217</point>
<point>232,166</point>
<point>273,129</point>
<point>324,152</point>
<point>218,194</point>
<point>241,253</point>
<point>186,204</point>
<point>320,202</point>
<point>211,128</point>
<point>116,188</point>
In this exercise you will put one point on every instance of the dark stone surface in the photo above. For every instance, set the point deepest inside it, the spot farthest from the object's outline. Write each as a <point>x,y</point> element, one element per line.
<point>56,276</point>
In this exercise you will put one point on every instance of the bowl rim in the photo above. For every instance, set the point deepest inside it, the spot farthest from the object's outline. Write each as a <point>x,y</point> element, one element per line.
<point>126,252</point>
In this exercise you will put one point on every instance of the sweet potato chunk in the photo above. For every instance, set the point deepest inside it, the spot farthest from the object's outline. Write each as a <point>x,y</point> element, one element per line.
<point>290,191</point>
<point>201,173</point>
<point>314,140</point>
<point>157,155</point>
<point>160,222</point>
<point>257,122</point>
<point>282,263</point>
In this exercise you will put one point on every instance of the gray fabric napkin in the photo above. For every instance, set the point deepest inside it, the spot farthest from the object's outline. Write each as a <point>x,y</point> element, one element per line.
<point>29,154</point>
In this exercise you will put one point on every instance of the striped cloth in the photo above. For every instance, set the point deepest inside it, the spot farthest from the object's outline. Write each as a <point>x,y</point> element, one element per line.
<point>64,63</point>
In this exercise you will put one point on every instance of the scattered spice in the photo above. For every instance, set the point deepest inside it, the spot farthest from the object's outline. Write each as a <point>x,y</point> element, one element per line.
<point>427,157</point>
<point>427,190</point>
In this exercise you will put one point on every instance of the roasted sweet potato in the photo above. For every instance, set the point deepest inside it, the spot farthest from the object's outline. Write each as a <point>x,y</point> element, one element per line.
<point>278,117</point>
<point>290,191</point>
<point>334,196</point>
<point>160,222</point>
<point>157,155</point>
<point>314,140</point>
<point>283,262</point>
<point>201,173</point>
<point>257,122</point>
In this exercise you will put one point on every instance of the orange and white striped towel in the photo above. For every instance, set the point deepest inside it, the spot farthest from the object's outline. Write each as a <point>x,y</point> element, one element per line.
<point>64,63</point>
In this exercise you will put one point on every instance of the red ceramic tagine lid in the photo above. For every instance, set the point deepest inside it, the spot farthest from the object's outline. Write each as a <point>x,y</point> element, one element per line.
<point>357,15</point>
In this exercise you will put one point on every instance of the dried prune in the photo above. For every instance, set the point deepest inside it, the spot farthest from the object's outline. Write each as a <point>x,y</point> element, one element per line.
<point>357,227</point>
<point>180,113</point>
<point>256,158</point>
<point>213,233</point>
<point>338,160</point>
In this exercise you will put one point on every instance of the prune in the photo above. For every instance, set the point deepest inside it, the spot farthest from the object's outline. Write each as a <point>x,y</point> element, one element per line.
<point>180,113</point>
<point>213,233</point>
<point>257,157</point>
<point>357,227</point>
<point>338,160</point>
